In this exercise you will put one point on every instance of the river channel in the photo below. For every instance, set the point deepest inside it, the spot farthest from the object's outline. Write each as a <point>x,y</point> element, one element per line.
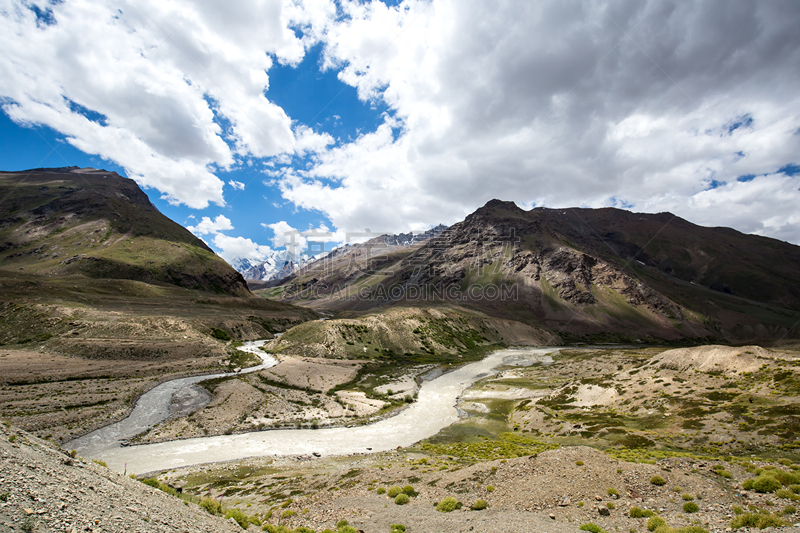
<point>434,409</point>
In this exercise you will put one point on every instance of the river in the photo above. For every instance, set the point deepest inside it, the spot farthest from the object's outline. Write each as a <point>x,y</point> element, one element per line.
<point>434,409</point>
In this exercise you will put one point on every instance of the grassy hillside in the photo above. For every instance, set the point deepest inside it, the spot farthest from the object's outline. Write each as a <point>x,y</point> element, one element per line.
<point>61,222</point>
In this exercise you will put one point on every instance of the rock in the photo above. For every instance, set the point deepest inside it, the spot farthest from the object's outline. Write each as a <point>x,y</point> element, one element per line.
<point>565,502</point>
<point>603,511</point>
<point>552,516</point>
<point>28,511</point>
<point>598,498</point>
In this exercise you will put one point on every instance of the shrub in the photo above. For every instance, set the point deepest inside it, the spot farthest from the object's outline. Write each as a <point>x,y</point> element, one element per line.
<point>239,516</point>
<point>402,499</point>
<point>737,510</point>
<point>690,507</point>
<point>748,484</point>
<point>489,488</point>
<point>789,509</point>
<point>795,488</point>
<point>687,497</point>
<point>151,482</point>
<point>594,528</point>
<point>342,523</point>
<point>99,462</point>
<point>394,491</point>
<point>447,505</point>
<point>12,438</point>
<point>612,492</point>
<point>658,480</point>
<point>398,528</point>
<point>759,520</point>
<point>766,483</point>
<point>480,505</point>
<point>785,461</point>
<point>579,504</point>
<point>786,494</point>
<point>347,529</point>
<point>636,512</point>
<point>408,489</point>
<point>655,522</point>
<point>211,506</point>
<point>610,505</point>
<point>220,334</point>
<point>288,514</point>
<point>579,463</point>
<point>786,478</point>
<point>381,490</point>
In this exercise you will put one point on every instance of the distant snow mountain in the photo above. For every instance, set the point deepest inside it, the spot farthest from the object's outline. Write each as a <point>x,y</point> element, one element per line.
<point>280,263</point>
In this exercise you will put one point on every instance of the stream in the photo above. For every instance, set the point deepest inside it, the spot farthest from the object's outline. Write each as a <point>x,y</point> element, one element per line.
<point>434,409</point>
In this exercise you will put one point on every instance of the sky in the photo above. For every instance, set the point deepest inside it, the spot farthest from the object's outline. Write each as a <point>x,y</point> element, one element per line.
<point>248,122</point>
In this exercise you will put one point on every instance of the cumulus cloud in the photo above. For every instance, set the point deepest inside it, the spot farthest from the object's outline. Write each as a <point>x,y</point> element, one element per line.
<point>232,248</point>
<point>208,226</point>
<point>146,84</point>
<point>237,185</point>
<point>641,104</point>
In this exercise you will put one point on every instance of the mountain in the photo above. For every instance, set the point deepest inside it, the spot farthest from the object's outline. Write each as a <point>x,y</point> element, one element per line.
<point>595,274</point>
<point>67,221</point>
<point>279,264</point>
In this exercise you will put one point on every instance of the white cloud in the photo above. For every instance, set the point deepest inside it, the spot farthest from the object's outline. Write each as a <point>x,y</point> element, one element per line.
<point>237,185</point>
<point>154,76</point>
<point>563,104</point>
<point>232,248</point>
<point>207,226</point>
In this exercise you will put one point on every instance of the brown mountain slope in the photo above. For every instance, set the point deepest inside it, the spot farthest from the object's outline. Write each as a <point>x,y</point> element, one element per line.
<point>95,223</point>
<point>606,274</point>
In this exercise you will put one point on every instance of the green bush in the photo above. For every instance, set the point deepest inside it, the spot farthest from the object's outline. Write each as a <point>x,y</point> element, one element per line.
<point>786,478</point>
<point>447,505</point>
<point>402,499</point>
<point>381,490</point>
<point>347,529</point>
<point>480,505</point>
<point>795,488</point>
<point>759,520</point>
<point>99,462</point>
<point>658,480</point>
<point>398,528</point>
<point>766,483</point>
<point>636,512</point>
<point>687,497</point>
<point>489,488</point>
<point>612,492</point>
<point>737,510</point>
<point>408,489</point>
<point>786,494</point>
<point>211,506</point>
<point>579,463</point>
<point>690,507</point>
<point>220,334</point>
<point>655,522</point>
<point>789,509</point>
<point>237,514</point>
<point>748,484</point>
<point>594,528</point>
<point>394,491</point>
<point>151,482</point>
<point>342,523</point>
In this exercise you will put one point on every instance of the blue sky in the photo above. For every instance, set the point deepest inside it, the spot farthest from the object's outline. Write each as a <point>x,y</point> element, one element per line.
<point>245,122</point>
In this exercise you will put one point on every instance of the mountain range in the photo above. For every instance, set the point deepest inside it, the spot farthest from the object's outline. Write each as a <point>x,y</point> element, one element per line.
<point>593,274</point>
<point>279,263</point>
